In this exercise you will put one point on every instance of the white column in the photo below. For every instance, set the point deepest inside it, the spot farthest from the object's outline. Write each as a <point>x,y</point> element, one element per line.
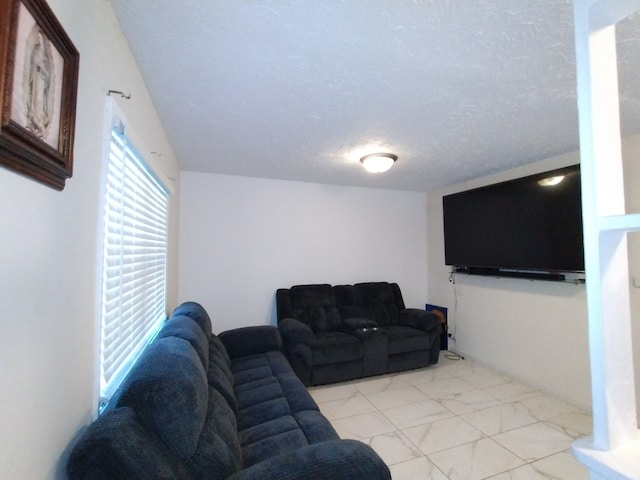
<point>611,452</point>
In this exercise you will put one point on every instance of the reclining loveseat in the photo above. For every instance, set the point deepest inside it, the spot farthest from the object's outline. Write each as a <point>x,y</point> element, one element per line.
<point>336,333</point>
<point>201,406</point>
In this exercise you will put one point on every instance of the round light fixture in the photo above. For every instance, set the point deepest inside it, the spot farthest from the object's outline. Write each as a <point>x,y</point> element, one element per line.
<point>551,181</point>
<point>378,162</point>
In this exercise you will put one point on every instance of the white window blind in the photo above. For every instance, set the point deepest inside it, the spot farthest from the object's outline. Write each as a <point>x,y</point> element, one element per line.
<point>134,262</point>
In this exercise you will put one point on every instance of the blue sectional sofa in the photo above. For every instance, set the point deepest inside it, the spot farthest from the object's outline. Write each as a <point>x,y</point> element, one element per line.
<point>201,406</point>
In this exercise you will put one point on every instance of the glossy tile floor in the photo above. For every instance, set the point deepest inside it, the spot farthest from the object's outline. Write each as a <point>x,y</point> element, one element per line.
<point>458,420</point>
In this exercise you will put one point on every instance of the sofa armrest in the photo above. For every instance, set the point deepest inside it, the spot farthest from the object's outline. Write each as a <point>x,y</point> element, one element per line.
<point>420,319</point>
<point>334,459</point>
<point>294,331</point>
<point>244,341</point>
<point>297,339</point>
<point>358,323</point>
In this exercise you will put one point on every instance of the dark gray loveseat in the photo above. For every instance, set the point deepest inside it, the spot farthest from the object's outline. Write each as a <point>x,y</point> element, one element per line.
<point>201,406</point>
<point>342,332</point>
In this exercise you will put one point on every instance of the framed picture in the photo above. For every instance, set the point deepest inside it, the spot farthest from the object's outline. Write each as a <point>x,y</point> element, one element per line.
<point>38,87</point>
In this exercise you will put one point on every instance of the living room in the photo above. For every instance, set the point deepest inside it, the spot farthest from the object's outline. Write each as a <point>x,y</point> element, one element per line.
<point>232,242</point>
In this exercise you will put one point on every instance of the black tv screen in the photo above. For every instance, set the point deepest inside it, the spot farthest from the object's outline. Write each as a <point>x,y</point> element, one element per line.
<point>529,224</point>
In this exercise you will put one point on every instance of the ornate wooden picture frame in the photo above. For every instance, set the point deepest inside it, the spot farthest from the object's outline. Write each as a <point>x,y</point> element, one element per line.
<point>38,87</point>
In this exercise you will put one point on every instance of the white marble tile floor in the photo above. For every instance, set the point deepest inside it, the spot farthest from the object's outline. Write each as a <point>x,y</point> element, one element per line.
<point>458,420</point>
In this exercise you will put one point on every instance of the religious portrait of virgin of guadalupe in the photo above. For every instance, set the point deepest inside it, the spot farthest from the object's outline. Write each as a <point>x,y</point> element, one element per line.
<point>38,83</point>
<point>37,80</point>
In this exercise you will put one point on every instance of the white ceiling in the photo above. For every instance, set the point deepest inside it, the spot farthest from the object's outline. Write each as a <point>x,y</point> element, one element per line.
<point>300,89</point>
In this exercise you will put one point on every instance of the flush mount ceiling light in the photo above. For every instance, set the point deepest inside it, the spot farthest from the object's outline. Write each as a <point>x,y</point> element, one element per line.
<point>378,162</point>
<point>551,181</point>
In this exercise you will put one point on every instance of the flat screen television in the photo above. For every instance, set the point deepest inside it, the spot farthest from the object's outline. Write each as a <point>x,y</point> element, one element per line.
<point>531,224</point>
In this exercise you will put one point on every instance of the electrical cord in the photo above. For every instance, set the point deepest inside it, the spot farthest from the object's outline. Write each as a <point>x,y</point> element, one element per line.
<point>452,320</point>
<point>452,324</point>
<point>453,356</point>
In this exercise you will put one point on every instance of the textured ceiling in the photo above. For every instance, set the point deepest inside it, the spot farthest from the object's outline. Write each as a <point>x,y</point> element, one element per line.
<point>300,89</point>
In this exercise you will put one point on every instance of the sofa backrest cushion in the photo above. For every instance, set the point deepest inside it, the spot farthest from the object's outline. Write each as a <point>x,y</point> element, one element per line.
<point>196,312</point>
<point>218,454</point>
<point>117,446</point>
<point>217,345</point>
<point>315,306</point>
<point>380,301</point>
<point>169,391</point>
<point>347,301</point>
<point>187,329</point>
<point>219,372</point>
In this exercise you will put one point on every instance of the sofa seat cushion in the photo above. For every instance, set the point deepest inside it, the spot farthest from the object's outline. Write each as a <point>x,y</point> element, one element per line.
<point>282,386</point>
<point>297,395</point>
<point>261,365</point>
<point>283,434</point>
<point>271,375</point>
<point>276,414</point>
<point>311,422</point>
<point>281,440</point>
<point>315,426</point>
<point>266,389</point>
<point>403,339</point>
<point>261,392</point>
<point>335,347</point>
<point>267,429</point>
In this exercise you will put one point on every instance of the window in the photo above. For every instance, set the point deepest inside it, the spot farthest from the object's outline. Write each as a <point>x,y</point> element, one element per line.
<point>134,258</point>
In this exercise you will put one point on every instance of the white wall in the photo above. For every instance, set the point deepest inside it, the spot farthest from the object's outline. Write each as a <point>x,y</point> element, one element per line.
<point>535,331</point>
<point>48,261</point>
<point>532,330</point>
<point>242,238</point>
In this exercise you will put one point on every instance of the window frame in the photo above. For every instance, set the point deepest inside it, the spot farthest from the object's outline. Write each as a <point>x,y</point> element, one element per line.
<point>115,120</point>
